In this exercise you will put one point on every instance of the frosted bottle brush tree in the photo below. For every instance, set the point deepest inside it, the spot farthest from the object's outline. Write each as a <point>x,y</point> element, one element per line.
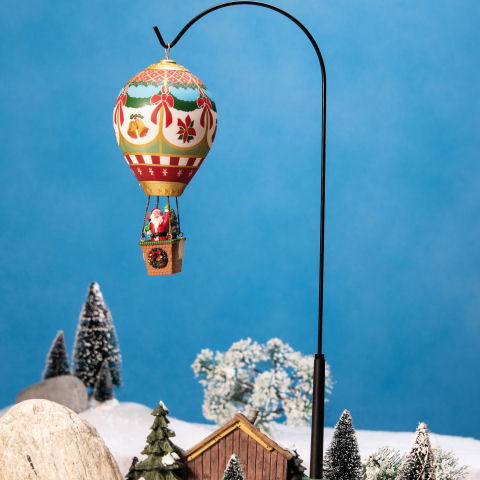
<point>342,458</point>
<point>234,470</point>
<point>57,359</point>
<point>96,340</point>
<point>418,464</point>
<point>103,389</point>
<point>271,378</point>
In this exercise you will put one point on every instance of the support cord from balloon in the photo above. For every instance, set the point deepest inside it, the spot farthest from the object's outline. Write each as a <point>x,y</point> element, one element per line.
<point>169,219</point>
<point>180,233</point>
<point>142,236</point>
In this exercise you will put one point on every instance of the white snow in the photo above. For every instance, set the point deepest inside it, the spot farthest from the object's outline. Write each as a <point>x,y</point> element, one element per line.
<point>125,426</point>
<point>170,458</point>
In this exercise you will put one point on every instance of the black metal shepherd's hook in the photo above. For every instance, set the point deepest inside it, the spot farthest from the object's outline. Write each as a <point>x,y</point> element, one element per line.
<point>316,451</point>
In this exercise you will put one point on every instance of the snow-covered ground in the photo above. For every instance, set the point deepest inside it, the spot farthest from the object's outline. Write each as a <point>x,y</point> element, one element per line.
<point>125,426</point>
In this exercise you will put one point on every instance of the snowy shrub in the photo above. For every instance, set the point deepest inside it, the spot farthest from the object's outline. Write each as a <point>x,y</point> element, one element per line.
<point>447,466</point>
<point>383,464</point>
<point>272,378</point>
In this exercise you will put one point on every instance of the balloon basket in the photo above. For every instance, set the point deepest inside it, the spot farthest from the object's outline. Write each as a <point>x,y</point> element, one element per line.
<point>163,257</point>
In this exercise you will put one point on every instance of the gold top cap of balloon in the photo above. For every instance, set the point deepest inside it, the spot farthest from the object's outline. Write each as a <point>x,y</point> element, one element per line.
<point>166,64</point>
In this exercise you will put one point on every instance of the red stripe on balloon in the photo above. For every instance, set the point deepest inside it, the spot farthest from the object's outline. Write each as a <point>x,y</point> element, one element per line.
<point>162,173</point>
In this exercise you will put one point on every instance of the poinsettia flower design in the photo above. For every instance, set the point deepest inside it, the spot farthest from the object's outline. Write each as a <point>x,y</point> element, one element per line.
<point>186,131</point>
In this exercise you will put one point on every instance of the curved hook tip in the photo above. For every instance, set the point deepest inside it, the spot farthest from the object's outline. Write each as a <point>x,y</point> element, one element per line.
<point>159,36</point>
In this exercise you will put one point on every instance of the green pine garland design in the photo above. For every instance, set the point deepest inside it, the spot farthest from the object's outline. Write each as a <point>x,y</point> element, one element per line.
<point>183,105</point>
<point>184,85</point>
<point>159,242</point>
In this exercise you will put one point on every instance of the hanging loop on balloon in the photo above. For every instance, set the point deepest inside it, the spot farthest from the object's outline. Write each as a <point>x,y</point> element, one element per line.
<point>167,51</point>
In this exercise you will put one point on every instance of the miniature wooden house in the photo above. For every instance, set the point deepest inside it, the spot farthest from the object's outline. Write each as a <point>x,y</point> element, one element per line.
<point>260,457</point>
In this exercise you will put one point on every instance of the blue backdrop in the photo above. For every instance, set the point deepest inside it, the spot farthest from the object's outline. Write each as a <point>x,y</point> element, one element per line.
<point>402,261</point>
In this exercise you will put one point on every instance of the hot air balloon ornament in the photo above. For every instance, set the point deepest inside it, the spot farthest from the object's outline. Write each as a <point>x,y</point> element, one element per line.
<point>165,122</point>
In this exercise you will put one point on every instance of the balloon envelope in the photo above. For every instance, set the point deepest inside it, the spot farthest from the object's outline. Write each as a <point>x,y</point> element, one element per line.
<point>165,122</point>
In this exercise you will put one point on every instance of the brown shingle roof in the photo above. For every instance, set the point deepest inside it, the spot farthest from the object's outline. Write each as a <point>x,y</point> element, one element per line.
<point>241,422</point>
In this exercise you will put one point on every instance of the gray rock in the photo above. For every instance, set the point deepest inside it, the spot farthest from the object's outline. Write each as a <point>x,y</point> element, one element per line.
<point>42,440</point>
<point>65,389</point>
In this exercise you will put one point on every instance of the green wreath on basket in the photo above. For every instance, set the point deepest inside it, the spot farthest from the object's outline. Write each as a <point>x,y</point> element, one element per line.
<point>158,258</point>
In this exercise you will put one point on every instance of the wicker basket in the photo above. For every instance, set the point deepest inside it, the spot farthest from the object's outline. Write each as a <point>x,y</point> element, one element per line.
<point>163,257</point>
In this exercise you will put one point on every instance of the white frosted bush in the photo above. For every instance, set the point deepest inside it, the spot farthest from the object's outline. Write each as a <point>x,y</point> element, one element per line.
<point>271,378</point>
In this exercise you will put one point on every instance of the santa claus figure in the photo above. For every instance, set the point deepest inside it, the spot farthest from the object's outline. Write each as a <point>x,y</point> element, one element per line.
<point>157,227</point>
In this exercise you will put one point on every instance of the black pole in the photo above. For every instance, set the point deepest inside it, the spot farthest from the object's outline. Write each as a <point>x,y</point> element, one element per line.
<point>318,407</point>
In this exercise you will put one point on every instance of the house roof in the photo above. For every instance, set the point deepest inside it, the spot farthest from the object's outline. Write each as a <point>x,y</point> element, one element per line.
<point>239,421</point>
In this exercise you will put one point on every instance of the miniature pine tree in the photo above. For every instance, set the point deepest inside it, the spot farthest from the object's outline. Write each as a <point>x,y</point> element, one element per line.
<point>131,471</point>
<point>163,456</point>
<point>174,224</point>
<point>234,470</point>
<point>103,390</point>
<point>295,467</point>
<point>418,464</point>
<point>342,458</point>
<point>57,358</point>
<point>96,340</point>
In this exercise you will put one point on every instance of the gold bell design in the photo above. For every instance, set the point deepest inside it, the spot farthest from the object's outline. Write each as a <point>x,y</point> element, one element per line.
<point>141,128</point>
<point>136,125</point>
<point>132,129</point>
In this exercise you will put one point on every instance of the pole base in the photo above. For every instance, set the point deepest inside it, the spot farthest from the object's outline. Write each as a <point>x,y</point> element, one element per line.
<point>316,449</point>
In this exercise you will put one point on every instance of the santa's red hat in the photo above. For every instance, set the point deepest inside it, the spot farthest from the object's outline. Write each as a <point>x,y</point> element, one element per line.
<point>156,210</point>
